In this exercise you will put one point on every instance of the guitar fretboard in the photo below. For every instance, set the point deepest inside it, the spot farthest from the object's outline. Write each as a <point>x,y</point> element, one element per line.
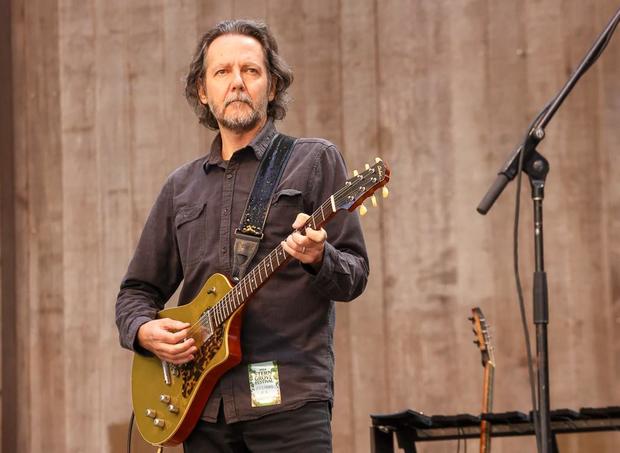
<point>354,190</point>
<point>248,285</point>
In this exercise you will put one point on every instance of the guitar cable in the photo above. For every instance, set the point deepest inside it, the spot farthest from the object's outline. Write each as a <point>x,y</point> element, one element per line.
<point>129,431</point>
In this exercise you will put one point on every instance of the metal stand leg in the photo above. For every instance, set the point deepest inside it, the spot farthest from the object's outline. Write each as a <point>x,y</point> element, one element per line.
<point>381,442</point>
<point>554,444</point>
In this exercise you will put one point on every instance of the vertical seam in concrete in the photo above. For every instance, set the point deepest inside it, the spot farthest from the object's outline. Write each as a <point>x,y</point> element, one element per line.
<point>8,359</point>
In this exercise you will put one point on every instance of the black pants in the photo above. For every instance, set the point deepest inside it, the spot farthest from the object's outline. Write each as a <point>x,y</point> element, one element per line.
<point>303,430</point>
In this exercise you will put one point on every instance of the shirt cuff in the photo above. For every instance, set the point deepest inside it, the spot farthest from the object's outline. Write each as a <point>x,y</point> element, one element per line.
<point>324,278</point>
<point>132,335</point>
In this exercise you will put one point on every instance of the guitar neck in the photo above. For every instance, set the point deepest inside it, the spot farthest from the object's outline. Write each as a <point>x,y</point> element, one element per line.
<point>487,390</point>
<point>487,407</point>
<point>263,271</point>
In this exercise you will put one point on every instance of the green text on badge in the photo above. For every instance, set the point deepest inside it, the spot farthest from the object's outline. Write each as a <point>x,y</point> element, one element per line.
<point>264,384</point>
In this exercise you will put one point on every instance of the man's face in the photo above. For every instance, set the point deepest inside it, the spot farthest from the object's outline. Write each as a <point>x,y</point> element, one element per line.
<point>236,84</point>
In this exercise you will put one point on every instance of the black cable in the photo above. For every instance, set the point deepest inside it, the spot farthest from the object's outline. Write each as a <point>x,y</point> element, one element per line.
<point>129,432</point>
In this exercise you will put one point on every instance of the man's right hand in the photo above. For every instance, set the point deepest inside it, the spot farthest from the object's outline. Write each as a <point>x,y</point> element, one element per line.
<point>166,338</point>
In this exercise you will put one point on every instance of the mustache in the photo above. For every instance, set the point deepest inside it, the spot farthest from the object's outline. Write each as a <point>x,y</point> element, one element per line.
<point>238,98</point>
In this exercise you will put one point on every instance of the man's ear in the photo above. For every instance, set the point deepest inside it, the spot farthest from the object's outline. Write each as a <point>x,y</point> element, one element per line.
<point>272,90</point>
<point>202,92</point>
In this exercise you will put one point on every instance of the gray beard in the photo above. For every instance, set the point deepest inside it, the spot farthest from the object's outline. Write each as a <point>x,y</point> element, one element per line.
<point>240,123</point>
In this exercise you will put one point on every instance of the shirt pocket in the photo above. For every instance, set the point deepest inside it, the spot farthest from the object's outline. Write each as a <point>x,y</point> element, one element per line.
<point>285,206</point>
<point>191,231</point>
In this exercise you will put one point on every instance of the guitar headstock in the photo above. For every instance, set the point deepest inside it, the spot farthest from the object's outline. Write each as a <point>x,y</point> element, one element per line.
<point>363,185</point>
<point>483,337</point>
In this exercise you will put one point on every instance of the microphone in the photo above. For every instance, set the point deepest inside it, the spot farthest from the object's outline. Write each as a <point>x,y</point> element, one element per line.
<point>509,169</point>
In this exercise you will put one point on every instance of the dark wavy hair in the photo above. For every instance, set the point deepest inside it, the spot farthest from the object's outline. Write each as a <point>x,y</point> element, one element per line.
<point>279,71</point>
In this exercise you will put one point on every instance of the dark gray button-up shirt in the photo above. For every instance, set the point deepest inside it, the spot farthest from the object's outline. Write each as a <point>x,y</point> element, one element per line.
<point>189,235</point>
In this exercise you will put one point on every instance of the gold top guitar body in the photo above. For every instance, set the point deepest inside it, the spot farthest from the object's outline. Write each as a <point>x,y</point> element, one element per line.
<point>168,399</point>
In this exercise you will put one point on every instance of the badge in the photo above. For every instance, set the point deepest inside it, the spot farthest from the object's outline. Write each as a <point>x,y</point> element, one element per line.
<point>264,384</point>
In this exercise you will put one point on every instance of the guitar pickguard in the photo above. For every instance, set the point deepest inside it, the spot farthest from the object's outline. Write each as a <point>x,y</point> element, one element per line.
<point>191,372</point>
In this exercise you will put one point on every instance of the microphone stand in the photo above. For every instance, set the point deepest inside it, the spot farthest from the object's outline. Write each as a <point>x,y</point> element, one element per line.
<point>537,168</point>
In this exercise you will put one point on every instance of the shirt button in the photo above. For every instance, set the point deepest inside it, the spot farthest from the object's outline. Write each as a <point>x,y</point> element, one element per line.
<point>229,175</point>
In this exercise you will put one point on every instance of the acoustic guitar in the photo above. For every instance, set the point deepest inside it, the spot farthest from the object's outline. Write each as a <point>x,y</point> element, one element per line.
<point>483,341</point>
<point>168,399</point>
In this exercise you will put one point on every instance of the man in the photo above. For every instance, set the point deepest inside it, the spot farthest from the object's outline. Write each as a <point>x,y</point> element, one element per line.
<point>237,83</point>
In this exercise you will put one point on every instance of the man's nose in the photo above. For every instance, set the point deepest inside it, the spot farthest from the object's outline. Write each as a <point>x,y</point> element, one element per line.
<point>237,82</point>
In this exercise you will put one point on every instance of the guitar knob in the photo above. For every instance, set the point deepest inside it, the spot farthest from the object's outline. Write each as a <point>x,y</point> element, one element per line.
<point>151,413</point>
<point>164,398</point>
<point>159,422</point>
<point>172,408</point>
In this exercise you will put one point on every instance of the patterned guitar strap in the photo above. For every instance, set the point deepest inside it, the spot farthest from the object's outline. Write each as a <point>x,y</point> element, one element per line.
<point>250,231</point>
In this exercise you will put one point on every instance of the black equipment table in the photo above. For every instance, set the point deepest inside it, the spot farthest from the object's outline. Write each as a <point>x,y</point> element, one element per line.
<point>411,426</point>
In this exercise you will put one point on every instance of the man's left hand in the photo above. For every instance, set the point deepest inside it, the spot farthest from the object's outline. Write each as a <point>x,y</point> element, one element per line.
<point>306,248</point>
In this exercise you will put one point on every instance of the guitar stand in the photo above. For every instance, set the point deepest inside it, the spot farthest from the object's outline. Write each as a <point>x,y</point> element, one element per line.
<point>410,427</point>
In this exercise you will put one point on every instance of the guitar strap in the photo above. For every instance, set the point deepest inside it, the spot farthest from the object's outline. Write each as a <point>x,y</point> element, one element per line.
<point>250,231</point>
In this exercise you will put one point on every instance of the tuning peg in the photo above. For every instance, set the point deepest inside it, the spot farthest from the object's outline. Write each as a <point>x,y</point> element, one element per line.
<point>476,342</point>
<point>363,209</point>
<point>355,173</point>
<point>373,200</point>
<point>385,192</point>
<point>367,167</point>
<point>378,159</point>
<point>471,318</point>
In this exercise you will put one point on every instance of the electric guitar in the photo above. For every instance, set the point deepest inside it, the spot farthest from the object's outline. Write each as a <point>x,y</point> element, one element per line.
<point>483,340</point>
<point>168,399</point>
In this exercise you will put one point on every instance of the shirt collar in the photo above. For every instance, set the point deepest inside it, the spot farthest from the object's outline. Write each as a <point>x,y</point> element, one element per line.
<point>258,145</point>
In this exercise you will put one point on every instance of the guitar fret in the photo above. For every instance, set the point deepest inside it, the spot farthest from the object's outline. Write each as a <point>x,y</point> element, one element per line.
<point>235,297</point>
<point>260,277</point>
